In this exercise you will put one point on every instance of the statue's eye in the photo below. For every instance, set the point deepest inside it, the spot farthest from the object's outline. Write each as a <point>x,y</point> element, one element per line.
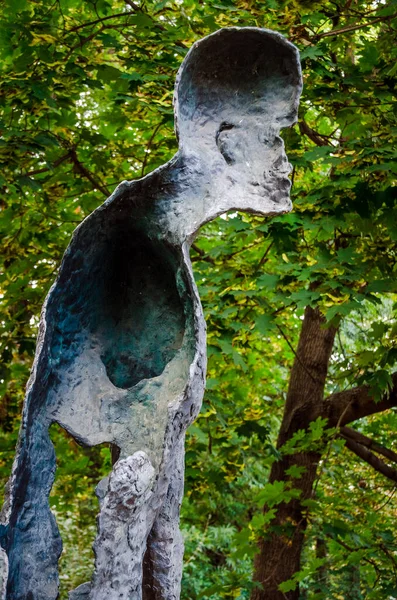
<point>222,143</point>
<point>224,127</point>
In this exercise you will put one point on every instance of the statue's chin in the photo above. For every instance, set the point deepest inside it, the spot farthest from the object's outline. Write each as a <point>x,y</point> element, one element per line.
<point>271,195</point>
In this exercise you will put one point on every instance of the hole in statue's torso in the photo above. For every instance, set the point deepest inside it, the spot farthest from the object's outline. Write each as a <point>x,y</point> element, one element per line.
<point>140,318</point>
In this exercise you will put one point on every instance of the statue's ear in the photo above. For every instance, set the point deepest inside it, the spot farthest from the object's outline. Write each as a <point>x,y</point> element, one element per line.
<point>237,73</point>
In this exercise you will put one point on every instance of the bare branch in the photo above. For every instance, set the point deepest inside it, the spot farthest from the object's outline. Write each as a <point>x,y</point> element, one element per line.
<point>295,353</point>
<point>348,406</point>
<point>137,8</point>
<point>202,255</point>
<point>80,168</point>
<point>356,436</point>
<point>370,458</point>
<point>83,41</point>
<point>144,163</point>
<point>264,257</point>
<point>55,164</point>
<point>354,27</point>
<point>90,23</point>
<point>351,549</point>
<point>315,137</point>
<point>134,6</point>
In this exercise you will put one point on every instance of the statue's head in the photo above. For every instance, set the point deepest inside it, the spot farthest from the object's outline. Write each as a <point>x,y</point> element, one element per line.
<point>234,92</point>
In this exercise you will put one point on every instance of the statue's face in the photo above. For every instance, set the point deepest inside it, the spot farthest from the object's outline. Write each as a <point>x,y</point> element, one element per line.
<point>254,146</point>
<point>255,152</point>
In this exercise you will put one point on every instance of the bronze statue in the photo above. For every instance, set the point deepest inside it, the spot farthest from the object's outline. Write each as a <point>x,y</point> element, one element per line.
<point>121,353</point>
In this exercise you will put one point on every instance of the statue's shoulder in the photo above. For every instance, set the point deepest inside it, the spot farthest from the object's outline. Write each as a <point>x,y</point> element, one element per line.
<point>114,207</point>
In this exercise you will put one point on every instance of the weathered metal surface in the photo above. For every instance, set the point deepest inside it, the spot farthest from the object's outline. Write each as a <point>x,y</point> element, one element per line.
<point>121,350</point>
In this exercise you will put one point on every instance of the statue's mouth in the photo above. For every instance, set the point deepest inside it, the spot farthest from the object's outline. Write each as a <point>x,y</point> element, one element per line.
<point>282,167</point>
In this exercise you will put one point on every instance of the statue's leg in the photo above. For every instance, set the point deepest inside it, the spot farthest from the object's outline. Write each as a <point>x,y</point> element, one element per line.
<point>164,555</point>
<point>125,519</point>
<point>30,534</point>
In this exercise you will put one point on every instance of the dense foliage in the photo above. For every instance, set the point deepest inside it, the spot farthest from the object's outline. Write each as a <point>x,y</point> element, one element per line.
<point>86,101</point>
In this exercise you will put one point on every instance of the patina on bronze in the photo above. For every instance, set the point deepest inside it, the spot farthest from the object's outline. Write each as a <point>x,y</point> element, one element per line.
<point>121,350</point>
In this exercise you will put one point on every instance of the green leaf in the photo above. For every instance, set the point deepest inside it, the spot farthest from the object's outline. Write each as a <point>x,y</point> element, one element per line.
<point>295,471</point>
<point>271,494</point>
<point>288,586</point>
<point>264,323</point>
<point>238,360</point>
<point>108,73</point>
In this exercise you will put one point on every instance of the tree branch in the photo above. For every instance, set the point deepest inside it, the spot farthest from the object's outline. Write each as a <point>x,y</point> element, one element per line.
<point>55,164</point>
<point>352,434</point>
<point>370,458</point>
<point>90,23</point>
<point>295,353</point>
<point>354,27</point>
<point>137,8</point>
<point>202,254</point>
<point>348,406</point>
<point>350,549</point>
<point>315,137</point>
<point>80,168</point>
<point>83,41</point>
<point>264,257</point>
<point>149,145</point>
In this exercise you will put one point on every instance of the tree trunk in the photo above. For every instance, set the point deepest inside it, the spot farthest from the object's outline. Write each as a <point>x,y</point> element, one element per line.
<point>280,549</point>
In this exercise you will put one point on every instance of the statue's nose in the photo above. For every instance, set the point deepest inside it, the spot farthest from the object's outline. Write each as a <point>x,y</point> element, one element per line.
<point>281,164</point>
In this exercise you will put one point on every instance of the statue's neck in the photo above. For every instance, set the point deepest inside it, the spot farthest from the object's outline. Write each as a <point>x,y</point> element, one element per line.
<point>232,172</point>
